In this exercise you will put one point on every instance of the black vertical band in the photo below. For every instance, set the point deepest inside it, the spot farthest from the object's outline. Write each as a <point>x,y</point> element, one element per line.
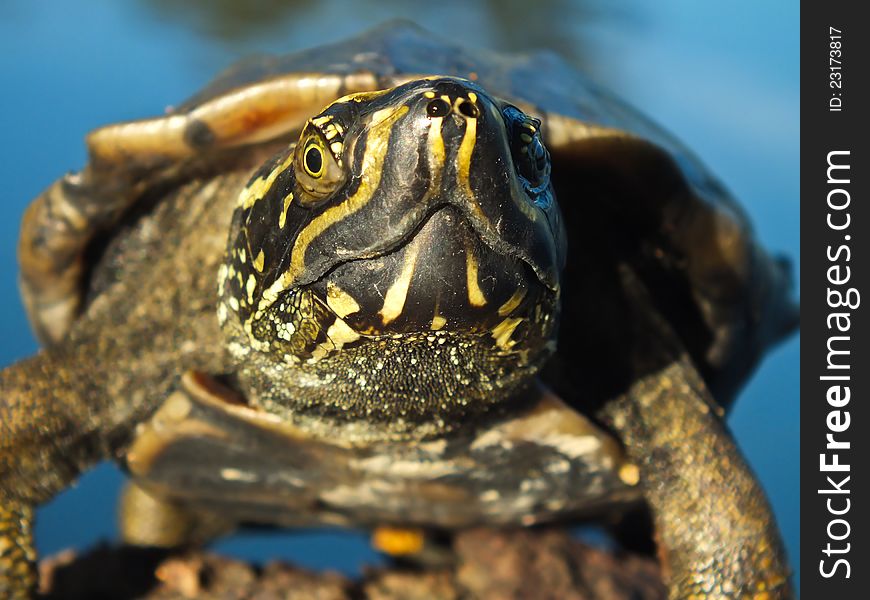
<point>835,329</point>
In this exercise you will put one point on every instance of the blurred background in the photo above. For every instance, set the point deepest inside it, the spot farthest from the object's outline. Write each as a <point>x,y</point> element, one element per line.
<point>723,77</point>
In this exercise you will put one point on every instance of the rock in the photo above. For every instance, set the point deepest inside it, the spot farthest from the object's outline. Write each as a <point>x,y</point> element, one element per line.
<point>538,564</point>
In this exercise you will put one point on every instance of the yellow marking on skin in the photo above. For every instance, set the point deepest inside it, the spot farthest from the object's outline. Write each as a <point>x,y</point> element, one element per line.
<point>364,96</point>
<point>394,299</point>
<point>336,148</point>
<point>243,255</point>
<point>372,170</point>
<point>322,350</point>
<point>222,313</point>
<point>429,94</point>
<point>391,113</point>
<point>361,96</point>
<point>437,155</point>
<point>222,275</point>
<point>475,294</point>
<point>463,164</point>
<point>259,261</point>
<point>438,322</point>
<point>330,132</point>
<point>502,333</point>
<point>282,220</point>
<point>341,303</point>
<point>261,185</point>
<point>250,286</point>
<point>466,148</point>
<point>473,97</point>
<point>629,474</point>
<point>513,302</point>
<point>321,121</point>
<point>341,333</point>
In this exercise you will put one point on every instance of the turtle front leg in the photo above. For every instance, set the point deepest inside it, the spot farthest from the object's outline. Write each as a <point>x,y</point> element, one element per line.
<point>716,533</point>
<point>49,433</point>
<point>714,527</point>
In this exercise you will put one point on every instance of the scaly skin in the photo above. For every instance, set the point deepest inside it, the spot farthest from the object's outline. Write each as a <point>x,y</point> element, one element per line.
<point>715,531</point>
<point>713,523</point>
<point>17,569</point>
<point>38,458</point>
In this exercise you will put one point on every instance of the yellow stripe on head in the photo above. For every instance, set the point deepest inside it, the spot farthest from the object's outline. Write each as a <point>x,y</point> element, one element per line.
<point>463,157</point>
<point>258,188</point>
<point>282,219</point>
<point>502,333</point>
<point>437,154</point>
<point>371,171</point>
<point>475,294</point>
<point>394,299</point>
<point>512,303</point>
<point>360,96</point>
<point>463,165</point>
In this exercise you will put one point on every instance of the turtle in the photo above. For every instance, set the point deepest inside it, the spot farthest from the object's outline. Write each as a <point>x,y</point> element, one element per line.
<point>397,283</point>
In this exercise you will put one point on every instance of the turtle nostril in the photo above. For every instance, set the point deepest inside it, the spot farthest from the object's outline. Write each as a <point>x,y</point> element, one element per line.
<point>469,110</point>
<point>438,108</point>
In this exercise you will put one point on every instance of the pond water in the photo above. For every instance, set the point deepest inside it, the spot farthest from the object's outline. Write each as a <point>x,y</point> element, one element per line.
<point>722,76</point>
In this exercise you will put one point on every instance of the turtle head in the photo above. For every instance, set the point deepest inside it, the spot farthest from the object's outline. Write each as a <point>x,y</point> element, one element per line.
<point>401,260</point>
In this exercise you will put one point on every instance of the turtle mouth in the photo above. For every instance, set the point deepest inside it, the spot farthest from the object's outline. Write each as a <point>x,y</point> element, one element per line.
<point>445,275</point>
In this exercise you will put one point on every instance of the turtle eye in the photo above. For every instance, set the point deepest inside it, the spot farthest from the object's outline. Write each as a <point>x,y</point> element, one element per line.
<point>318,168</point>
<point>313,161</point>
<point>531,158</point>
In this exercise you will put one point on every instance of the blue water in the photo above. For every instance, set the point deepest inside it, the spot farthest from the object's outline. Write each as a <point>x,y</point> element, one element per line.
<point>722,76</point>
